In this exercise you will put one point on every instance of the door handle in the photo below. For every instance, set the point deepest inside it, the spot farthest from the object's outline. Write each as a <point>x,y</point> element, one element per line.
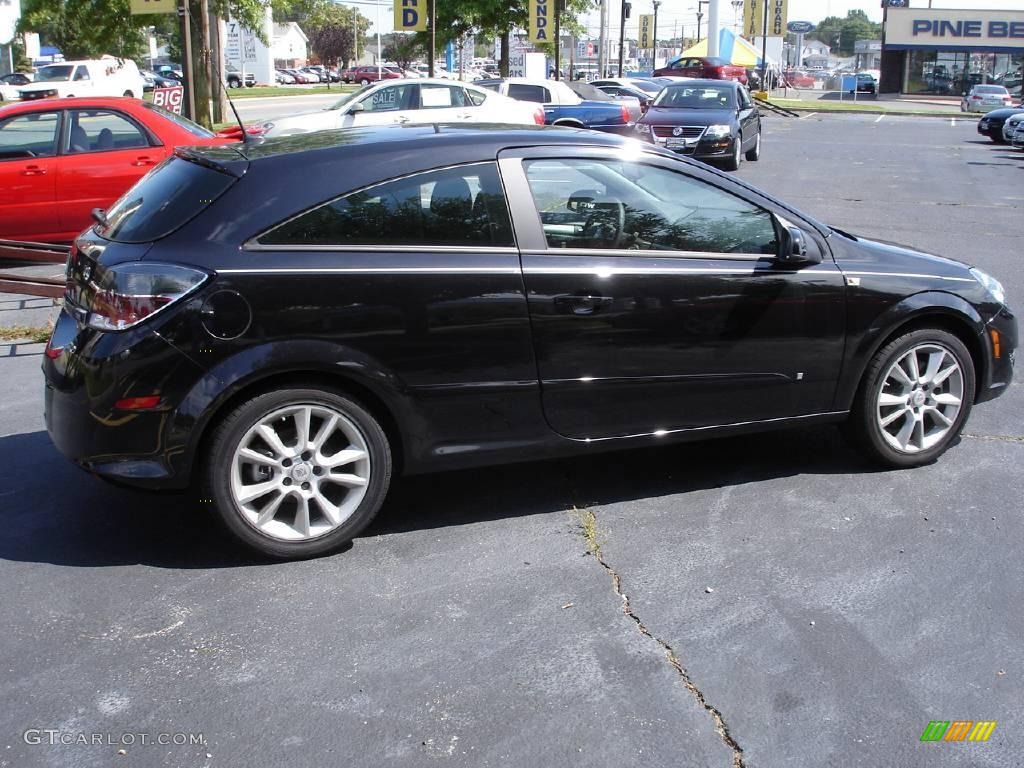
<point>582,303</point>
<point>33,170</point>
<point>142,161</point>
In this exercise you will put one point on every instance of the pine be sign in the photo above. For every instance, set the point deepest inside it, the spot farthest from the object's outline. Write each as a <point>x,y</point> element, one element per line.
<point>411,15</point>
<point>542,29</point>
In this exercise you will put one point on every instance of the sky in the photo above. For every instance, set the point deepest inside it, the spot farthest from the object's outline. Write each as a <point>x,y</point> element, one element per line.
<point>683,13</point>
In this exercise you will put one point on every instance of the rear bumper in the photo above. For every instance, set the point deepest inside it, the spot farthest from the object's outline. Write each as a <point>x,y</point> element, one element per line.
<point>86,373</point>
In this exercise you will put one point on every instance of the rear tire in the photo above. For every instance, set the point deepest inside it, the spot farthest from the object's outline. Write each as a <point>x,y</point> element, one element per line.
<point>297,473</point>
<point>914,399</point>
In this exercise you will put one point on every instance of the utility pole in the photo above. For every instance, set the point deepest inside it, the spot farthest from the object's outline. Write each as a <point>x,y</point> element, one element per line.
<point>654,54</point>
<point>603,41</point>
<point>186,61</point>
<point>622,33</point>
<point>713,28</point>
<point>558,39</point>
<point>433,38</point>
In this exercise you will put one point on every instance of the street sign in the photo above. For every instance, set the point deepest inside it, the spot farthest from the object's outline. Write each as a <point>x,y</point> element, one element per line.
<point>169,98</point>
<point>542,21</point>
<point>800,27</point>
<point>139,7</point>
<point>646,31</point>
<point>411,15</point>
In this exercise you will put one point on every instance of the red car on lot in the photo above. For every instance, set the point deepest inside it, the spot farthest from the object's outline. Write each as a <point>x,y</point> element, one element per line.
<point>60,158</point>
<point>703,67</point>
<point>365,75</point>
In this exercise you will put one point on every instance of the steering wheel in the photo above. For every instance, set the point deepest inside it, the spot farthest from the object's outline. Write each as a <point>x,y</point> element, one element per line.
<point>605,228</point>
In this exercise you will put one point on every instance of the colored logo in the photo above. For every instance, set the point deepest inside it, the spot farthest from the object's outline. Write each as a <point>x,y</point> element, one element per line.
<point>958,730</point>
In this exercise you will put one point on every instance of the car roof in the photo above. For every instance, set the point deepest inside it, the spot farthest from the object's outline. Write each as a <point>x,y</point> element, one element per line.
<point>701,82</point>
<point>79,102</point>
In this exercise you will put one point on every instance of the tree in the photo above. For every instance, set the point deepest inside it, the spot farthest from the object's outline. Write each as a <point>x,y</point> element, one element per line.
<point>403,49</point>
<point>332,43</point>
<point>841,34</point>
<point>86,29</point>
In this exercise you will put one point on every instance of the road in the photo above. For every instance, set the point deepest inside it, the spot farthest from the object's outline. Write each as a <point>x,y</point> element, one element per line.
<point>761,601</point>
<point>272,107</point>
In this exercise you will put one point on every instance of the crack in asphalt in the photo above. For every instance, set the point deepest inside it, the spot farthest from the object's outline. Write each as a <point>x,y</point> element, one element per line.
<point>591,533</point>
<point>996,438</point>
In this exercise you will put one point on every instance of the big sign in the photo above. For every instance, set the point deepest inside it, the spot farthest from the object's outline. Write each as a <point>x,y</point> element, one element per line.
<point>169,98</point>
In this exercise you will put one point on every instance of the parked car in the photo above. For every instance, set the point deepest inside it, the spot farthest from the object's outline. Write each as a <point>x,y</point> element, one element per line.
<point>409,101</point>
<point>320,75</point>
<point>985,98</point>
<point>991,124</point>
<point>867,84</point>
<point>650,87</point>
<point>367,75</point>
<point>703,67</point>
<point>1010,126</point>
<point>169,70</point>
<point>152,80</point>
<point>9,85</point>
<point>59,159</point>
<point>1017,140</point>
<point>106,76</point>
<point>289,325</point>
<point>235,77</point>
<point>283,78</point>
<point>710,120</point>
<point>302,77</point>
<point>642,98</point>
<point>563,106</point>
<point>589,93</point>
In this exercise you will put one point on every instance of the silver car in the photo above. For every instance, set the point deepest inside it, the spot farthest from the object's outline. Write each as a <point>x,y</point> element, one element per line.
<point>1011,125</point>
<point>1017,139</point>
<point>985,98</point>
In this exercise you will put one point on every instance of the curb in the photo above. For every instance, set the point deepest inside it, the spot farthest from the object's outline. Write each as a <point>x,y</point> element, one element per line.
<point>895,113</point>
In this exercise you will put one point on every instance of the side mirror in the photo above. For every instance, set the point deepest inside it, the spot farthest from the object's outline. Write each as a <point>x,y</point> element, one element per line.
<point>356,108</point>
<point>794,247</point>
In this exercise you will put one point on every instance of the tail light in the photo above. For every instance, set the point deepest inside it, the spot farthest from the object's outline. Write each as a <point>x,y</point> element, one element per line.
<point>538,115</point>
<point>626,116</point>
<point>123,296</point>
<point>975,98</point>
<point>717,73</point>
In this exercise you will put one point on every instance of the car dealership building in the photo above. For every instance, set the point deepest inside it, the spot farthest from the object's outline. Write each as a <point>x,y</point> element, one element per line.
<point>945,52</point>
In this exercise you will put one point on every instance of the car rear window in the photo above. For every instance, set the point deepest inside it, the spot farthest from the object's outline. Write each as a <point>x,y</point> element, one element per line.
<point>168,197</point>
<point>990,89</point>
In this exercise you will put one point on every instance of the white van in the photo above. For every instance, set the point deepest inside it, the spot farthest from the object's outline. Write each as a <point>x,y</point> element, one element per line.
<point>108,76</point>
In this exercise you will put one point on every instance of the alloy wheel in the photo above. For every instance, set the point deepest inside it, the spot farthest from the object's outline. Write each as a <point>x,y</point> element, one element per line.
<point>300,472</point>
<point>920,398</point>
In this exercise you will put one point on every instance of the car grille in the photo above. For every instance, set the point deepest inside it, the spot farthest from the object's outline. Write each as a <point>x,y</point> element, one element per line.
<point>686,131</point>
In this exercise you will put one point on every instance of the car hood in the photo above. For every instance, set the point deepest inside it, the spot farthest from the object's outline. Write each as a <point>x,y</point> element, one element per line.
<point>665,116</point>
<point>893,257</point>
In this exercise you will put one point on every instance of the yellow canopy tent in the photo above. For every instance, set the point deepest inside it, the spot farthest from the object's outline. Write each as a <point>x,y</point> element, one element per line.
<point>735,49</point>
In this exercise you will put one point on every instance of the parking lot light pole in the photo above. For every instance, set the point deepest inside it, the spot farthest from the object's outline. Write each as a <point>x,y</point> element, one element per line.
<point>654,37</point>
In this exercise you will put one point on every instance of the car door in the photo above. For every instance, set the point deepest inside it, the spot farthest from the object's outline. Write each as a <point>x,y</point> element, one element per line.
<point>104,152</point>
<point>658,300</point>
<point>28,179</point>
<point>748,118</point>
<point>383,106</point>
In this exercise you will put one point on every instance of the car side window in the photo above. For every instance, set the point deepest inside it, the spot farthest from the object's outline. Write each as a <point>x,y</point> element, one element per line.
<point>476,98</point>
<point>82,72</point>
<point>462,206</point>
<point>391,98</point>
<point>745,102</point>
<point>441,96</point>
<point>27,136</point>
<point>611,204</point>
<point>524,92</point>
<point>97,130</point>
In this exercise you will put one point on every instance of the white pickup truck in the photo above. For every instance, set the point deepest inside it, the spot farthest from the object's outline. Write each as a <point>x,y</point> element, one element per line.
<point>107,76</point>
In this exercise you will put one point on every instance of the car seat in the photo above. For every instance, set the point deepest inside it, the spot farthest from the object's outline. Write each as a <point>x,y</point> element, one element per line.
<point>105,139</point>
<point>79,140</point>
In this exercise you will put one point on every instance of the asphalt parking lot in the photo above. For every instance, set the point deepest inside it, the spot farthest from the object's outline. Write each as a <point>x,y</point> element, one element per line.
<point>762,601</point>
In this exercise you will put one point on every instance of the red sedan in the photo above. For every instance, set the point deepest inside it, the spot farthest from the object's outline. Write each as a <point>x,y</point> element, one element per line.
<point>60,158</point>
<point>367,75</point>
<point>703,67</point>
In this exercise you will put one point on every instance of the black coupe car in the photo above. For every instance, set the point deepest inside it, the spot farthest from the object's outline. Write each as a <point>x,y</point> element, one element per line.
<point>991,123</point>
<point>711,120</point>
<point>287,324</point>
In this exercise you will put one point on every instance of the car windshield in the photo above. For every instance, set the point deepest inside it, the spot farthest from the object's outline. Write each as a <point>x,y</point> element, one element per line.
<point>347,99</point>
<point>697,97</point>
<point>991,89</point>
<point>647,86</point>
<point>54,73</point>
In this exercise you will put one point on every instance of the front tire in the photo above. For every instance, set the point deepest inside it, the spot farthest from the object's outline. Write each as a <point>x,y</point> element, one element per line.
<point>754,154</point>
<point>733,163</point>
<point>914,399</point>
<point>298,473</point>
